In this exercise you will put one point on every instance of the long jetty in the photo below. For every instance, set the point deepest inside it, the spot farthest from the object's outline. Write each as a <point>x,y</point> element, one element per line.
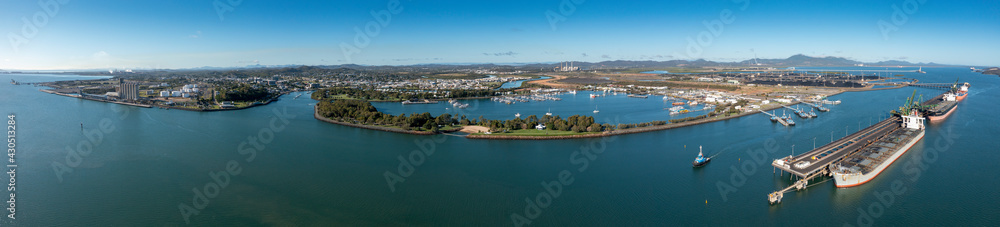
<point>782,121</point>
<point>816,163</point>
<point>932,85</point>
<point>94,99</point>
<point>818,107</point>
<point>797,111</point>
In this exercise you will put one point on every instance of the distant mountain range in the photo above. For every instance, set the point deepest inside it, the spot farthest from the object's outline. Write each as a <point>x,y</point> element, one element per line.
<point>797,60</point>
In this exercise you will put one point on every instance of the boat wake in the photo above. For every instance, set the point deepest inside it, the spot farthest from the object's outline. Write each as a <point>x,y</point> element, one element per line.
<point>724,150</point>
<point>969,122</point>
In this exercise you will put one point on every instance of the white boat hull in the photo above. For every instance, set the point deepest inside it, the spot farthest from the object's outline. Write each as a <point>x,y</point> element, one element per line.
<point>854,179</point>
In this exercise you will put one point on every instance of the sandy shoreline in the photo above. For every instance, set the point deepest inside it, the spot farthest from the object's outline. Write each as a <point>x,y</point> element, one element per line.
<point>474,129</point>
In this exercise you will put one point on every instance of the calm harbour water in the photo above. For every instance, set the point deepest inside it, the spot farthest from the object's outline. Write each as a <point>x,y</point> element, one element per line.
<point>314,173</point>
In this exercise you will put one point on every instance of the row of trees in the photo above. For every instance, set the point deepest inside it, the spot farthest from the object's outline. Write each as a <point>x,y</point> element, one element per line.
<point>243,93</point>
<point>575,123</point>
<point>640,125</point>
<point>363,112</point>
<point>699,117</point>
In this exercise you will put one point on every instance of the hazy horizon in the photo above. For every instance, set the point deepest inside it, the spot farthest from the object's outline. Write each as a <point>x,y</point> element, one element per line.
<point>76,35</point>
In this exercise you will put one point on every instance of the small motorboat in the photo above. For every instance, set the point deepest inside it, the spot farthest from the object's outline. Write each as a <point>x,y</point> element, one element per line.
<point>701,160</point>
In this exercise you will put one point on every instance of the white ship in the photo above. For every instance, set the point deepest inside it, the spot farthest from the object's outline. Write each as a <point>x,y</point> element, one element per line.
<point>861,167</point>
<point>677,110</point>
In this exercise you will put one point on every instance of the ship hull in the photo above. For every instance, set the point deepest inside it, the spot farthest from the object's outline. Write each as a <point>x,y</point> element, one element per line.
<point>961,96</point>
<point>851,180</point>
<point>700,164</point>
<point>943,116</point>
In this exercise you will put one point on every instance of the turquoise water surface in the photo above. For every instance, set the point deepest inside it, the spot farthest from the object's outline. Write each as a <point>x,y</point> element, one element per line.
<point>305,172</point>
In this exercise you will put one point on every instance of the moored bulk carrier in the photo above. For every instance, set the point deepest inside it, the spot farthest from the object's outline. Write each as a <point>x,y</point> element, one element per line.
<point>863,165</point>
<point>859,157</point>
<point>963,91</point>
<point>942,107</point>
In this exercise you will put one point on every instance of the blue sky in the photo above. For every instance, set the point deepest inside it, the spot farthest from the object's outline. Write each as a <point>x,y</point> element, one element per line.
<point>105,34</point>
